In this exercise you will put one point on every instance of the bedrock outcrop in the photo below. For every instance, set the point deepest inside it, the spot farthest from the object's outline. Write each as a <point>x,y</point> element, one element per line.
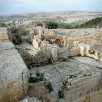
<point>13,74</point>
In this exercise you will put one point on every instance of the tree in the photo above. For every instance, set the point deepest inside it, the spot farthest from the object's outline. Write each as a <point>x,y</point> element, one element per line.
<point>51,25</point>
<point>3,25</point>
<point>39,24</point>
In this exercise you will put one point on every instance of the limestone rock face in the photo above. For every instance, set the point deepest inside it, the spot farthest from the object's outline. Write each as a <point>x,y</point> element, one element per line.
<point>30,99</point>
<point>35,39</point>
<point>63,53</point>
<point>13,74</point>
<point>50,51</point>
<point>4,34</point>
<point>39,91</point>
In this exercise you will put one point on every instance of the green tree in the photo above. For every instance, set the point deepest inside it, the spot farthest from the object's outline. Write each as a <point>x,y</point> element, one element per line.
<point>51,25</point>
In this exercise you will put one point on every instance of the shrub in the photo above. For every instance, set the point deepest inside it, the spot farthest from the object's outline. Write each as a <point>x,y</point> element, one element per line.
<point>60,94</point>
<point>92,52</point>
<point>49,87</point>
<point>72,76</point>
<point>51,25</point>
<point>39,77</point>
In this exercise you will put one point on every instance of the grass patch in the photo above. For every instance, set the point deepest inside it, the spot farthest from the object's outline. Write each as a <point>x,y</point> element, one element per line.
<point>28,49</point>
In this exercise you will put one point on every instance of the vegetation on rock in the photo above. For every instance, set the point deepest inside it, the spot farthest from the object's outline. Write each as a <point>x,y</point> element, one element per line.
<point>39,77</point>
<point>49,87</point>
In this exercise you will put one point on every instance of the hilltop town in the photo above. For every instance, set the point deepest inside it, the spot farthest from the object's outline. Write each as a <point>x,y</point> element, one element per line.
<point>43,62</point>
<point>28,20</point>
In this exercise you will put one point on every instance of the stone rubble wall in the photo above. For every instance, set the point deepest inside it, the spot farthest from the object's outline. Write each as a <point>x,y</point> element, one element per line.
<point>80,35</point>
<point>83,87</point>
<point>35,39</point>
<point>47,52</point>
<point>77,40</point>
<point>5,34</point>
<point>97,55</point>
<point>72,46</point>
<point>39,91</point>
<point>63,53</point>
<point>85,50</point>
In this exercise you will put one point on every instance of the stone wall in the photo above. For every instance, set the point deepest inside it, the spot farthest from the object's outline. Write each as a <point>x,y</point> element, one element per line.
<point>35,39</point>
<point>83,88</point>
<point>13,74</point>
<point>39,91</point>
<point>4,34</point>
<point>91,51</point>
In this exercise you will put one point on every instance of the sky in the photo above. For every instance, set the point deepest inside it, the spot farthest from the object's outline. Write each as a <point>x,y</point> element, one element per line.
<point>31,6</point>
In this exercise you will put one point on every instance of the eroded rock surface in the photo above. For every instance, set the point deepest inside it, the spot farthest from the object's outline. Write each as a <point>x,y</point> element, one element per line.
<point>13,74</point>
<point>29,99</point>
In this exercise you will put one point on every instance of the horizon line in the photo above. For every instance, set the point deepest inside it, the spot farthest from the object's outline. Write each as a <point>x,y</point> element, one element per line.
<point>47,12</point>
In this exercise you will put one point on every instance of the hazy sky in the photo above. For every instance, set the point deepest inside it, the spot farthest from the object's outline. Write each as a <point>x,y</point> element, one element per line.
<point>30,6</point>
